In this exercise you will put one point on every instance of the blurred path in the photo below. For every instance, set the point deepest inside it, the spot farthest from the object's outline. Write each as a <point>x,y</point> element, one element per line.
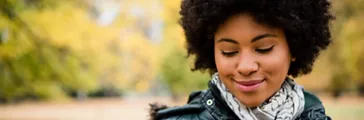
<point>96,109</point>
<point>136,108</point>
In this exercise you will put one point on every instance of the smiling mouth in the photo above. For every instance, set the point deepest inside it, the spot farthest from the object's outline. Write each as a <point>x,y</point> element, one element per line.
<point>248,86</point>
<point>249,83</point>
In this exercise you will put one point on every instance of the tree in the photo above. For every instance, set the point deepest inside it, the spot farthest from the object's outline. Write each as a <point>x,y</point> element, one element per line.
<point>176,67</point>
<point>35,60</point>
<point>49,49</point>
<point>347,49</point>
<point>177,74</point>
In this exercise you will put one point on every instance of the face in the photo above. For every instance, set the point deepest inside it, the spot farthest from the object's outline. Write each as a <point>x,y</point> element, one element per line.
<point>252,59</point>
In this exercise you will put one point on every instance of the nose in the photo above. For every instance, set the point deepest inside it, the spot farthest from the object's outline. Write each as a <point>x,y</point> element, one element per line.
<point>247,65</point>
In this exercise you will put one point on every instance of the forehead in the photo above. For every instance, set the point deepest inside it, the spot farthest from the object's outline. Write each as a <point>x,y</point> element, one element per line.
<point>244,26</point>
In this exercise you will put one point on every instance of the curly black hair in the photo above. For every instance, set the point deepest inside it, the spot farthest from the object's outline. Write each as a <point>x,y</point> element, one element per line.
<point>305,24</point>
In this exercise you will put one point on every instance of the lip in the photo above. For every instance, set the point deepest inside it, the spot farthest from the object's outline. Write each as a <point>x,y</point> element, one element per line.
<point>248,86</point>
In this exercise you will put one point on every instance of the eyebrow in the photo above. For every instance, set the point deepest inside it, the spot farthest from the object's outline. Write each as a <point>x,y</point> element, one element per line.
<point>253,40</point>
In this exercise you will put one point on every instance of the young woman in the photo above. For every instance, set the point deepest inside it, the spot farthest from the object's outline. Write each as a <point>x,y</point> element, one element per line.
<point>253,48</point>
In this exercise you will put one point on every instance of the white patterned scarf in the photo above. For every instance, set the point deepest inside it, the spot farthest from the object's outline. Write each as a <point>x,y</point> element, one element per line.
<point>286,104</point>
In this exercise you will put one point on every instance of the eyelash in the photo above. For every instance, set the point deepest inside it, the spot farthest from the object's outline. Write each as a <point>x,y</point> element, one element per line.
<point>264,50</point>
<point>229,54</point>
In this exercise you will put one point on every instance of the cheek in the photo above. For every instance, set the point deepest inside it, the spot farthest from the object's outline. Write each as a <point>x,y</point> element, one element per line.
<point>278,63</point>
<point>225,66</point>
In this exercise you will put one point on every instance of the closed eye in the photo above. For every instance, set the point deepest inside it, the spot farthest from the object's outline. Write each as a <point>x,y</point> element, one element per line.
<point>266,50</point>
<point>228,54</point>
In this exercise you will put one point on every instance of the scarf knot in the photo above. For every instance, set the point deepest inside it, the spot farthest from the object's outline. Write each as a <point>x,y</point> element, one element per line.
<point>286,104</point>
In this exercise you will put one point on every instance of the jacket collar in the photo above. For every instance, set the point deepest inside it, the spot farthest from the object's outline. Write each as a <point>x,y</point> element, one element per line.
<point>216,106</point>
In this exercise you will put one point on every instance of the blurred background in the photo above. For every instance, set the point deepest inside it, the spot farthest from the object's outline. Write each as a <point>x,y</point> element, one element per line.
<point>108,59</point>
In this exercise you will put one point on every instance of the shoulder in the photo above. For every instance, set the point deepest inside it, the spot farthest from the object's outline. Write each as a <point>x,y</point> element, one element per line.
<point>191,112</point>
<point>194,110</point>
<point>313,110</point>
<point>311,100</point>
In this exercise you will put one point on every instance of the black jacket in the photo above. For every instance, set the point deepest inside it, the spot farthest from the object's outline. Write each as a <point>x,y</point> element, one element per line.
<point>208,105</point>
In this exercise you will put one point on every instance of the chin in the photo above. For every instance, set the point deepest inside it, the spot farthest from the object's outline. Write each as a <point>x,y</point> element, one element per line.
<point>251,103</point>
